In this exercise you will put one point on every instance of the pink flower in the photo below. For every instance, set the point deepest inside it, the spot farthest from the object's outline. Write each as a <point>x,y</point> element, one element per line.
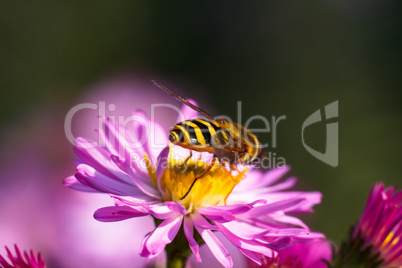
<point>26,260</point>
<point>380,225</point>
<point>146,176</point>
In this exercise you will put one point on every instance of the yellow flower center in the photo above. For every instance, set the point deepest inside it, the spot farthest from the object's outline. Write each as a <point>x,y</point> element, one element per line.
<point>213,188</point>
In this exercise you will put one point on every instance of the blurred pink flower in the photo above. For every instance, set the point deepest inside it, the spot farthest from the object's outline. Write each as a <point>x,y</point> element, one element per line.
<point>26,260</point>
<point>308,254</point>
<point>145,179</point>
<point>380,225</point>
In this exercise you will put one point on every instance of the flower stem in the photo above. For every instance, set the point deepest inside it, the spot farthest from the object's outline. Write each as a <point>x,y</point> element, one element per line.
<point>178,251</point>
<point>353,254</point>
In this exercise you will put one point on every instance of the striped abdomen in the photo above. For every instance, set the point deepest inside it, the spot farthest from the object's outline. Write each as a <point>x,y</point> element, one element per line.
<point>194,134</point>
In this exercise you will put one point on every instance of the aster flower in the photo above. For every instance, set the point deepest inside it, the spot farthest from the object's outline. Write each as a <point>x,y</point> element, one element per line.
<point>25,260</point>
<point>376,240</point>
<point>308,254</point>
<point>145,180</point>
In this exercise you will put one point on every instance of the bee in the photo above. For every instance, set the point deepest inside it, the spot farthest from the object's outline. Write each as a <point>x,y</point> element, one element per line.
<point>229,142</point>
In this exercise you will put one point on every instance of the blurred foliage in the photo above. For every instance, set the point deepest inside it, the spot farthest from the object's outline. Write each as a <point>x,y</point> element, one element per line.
<point>277,57</point>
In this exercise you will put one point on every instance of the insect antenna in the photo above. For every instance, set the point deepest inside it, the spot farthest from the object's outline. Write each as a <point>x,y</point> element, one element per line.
<point>181,99</point>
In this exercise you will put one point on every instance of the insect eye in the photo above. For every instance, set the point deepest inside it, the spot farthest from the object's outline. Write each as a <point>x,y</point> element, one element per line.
<point>173,138</point>
<point>176,136</point>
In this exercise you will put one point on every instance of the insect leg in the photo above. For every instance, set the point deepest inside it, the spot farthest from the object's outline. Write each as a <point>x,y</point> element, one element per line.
<point>201,175</point>
<point>185,161</point>
<point>188,157</point>
<point>234,167</point>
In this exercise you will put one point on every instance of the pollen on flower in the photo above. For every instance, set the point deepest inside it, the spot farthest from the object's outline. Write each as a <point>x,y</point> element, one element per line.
<point>150,168</point>
<point>211,189</point>
<point>391,240</point>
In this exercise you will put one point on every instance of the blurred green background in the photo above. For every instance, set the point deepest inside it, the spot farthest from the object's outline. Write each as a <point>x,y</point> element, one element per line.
<point>277,57</point>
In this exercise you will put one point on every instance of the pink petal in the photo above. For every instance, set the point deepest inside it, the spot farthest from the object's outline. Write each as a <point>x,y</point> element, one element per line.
<point>257,179</point>
<point>307,237</point>
<point>188,232</point>
<point>142,130</point>
<point>312,198</point>
<point>110,214</point>
<point>156,241</point>
<point>116,141</point>
<point>216,215</point>
<point>137,201</point>
<point>284,220</point>
<point>252,245</point>
<point>145,184</point>
<point>273,207</point>
<point>274,175</point>
<point>149,136</point>
<point>246,231</point>
<point>31,259</point>
<point>230,209</point>
<point>132,156</point>
<point>90,177</point>
<point>251,255</point>
<point>216,247</point>
<point>281,243</point>
<point>288,232</point>
<point>176,207</point>
<point>160,136</point>
<point>11,256</point>
<point>161,212</point>
<point>4,262</point>
<point>99,159</point>
<point>162,163</point>
<point>289,183</point>
<point>201,222</point>
<point>73,183</point>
